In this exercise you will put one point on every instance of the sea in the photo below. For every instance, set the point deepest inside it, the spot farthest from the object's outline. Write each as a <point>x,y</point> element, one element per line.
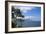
<point>29,23</point>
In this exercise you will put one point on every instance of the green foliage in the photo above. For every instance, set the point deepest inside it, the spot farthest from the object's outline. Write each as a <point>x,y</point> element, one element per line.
<point>18,13</point>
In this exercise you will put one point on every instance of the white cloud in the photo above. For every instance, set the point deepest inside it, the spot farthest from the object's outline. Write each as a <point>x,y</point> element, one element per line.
<point>36,18</point>
<point>26,17</point>
<point>33,18</point>
<point>24,9</point>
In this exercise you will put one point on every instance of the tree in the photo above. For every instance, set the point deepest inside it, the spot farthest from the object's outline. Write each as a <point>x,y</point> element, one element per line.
<point>17,12</point>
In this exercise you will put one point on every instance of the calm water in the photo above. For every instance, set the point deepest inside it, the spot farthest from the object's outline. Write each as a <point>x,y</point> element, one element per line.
<point>29,23</point>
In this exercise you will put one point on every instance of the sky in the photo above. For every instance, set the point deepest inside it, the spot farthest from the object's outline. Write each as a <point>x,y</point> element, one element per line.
<point>30,12</point>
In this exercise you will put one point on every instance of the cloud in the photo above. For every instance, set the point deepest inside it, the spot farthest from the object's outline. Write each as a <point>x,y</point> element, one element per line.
<point>33,18</point>
<point>26,17</point>
<point>36,18</point>
<point>24,8</point>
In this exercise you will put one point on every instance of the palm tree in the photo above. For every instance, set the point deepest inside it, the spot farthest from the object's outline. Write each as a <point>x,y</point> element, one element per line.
<point>18,14</point>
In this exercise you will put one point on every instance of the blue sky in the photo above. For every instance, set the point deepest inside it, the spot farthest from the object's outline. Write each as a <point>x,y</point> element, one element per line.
<point>33,12</point>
